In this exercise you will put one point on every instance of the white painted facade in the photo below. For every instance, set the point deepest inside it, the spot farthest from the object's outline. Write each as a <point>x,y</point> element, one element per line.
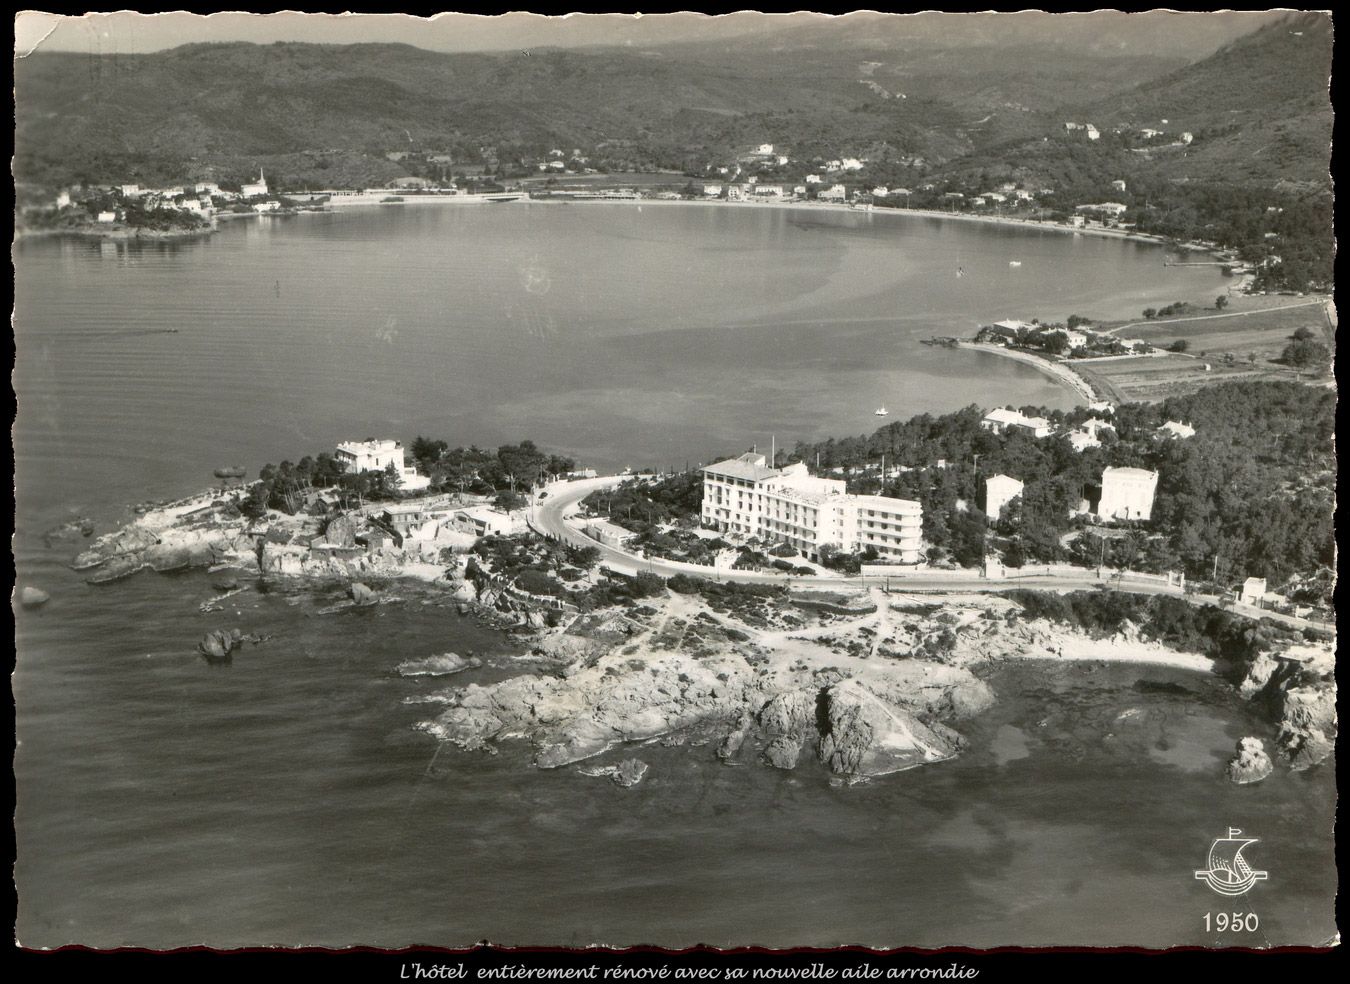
<point>377,455</point>
<point>789,505</point>
<point>1127,493</point>
<point>999,490</point>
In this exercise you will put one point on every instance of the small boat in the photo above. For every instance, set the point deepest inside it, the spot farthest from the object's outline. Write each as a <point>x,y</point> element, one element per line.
<point>883,412</point>
<point>1014,263</point>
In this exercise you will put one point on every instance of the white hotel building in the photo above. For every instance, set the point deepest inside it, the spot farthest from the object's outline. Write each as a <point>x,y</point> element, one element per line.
<point>789,505</point>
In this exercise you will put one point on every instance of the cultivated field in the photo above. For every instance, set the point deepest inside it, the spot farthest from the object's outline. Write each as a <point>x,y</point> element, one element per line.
<point>1244,340</point>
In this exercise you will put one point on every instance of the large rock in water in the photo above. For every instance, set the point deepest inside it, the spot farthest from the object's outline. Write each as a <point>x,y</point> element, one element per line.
<point>1252,763</point>
<point>783,752</point>
<point>362,595</point>
<point>442,665</point>
<point>31,597</point>
<point>630,772</point>
<point>868,736</point>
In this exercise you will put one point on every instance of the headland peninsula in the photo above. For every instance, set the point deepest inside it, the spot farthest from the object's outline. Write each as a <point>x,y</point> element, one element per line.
<point>639,610</point>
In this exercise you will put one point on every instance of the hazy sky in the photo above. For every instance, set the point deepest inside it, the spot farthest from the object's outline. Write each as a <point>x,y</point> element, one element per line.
<point>129,33</point>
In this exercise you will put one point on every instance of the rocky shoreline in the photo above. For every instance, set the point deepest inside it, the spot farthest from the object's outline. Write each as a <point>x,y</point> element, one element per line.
<point>770,679</point>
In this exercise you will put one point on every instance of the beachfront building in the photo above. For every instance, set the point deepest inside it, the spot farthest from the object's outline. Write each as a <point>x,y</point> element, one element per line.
<point>1127,493</point>
<point>1000,420</point>
<point>1009,328</point>
<point>789,505</point>
<point>378,455</point>
<point>998,492</point>
<point>835,192</point>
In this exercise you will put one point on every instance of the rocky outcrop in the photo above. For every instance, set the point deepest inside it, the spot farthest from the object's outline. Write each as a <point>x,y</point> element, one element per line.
<point>868,736</point>
<point>1307,725</point>
<point>595,708</point>
<point>1252,763</point>
<point>730,746</point>
<point>1298,688</point>
<point>362,595</point>
<point>789,713</point>
<point>627,773</point>
<point>442,665</point>
<point>124,542</point>
<point>340,532</point>
<point>218,646</point>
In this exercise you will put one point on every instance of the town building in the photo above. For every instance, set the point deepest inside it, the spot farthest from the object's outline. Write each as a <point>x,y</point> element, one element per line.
<point>789,505</point>
<point>1000,420</point>
<point>998,492</point>
<point>485,521</point>
<point>378,455</point>
<point>1127,493</point>
<point>107,216</point>
<point>834,193</point>
<point>252,189</point>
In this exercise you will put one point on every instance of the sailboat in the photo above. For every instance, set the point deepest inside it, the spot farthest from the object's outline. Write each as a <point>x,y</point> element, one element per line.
<point>883,412</point>
<point>1228,872</point>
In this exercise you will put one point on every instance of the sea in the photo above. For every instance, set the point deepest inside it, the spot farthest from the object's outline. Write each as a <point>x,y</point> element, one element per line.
<point>287,799</point>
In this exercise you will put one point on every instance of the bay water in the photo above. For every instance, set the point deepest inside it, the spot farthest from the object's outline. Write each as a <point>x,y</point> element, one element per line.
<point>286,798</point>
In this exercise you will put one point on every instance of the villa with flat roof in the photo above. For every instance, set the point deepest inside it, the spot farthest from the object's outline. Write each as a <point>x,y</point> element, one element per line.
<point>377,455</point>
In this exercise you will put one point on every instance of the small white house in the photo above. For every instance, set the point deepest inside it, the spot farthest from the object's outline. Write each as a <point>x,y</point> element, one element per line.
<point>107,216</point>
<point>1253,591</point>
<point>998,492</point>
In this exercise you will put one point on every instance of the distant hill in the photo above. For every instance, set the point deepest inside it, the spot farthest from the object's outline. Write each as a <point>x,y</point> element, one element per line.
<point>941,88</point>
<point>81,116</point>
<point>1259,107</point>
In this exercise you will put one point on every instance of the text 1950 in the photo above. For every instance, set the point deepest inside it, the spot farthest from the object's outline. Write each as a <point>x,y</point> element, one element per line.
<point>1235,922</point>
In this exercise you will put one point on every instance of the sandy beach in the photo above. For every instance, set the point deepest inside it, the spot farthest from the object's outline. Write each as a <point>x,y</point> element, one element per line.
<point>1056,370</point>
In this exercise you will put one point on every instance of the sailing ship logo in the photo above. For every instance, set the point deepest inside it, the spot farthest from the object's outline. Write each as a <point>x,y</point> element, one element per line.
<point>1228,872</point>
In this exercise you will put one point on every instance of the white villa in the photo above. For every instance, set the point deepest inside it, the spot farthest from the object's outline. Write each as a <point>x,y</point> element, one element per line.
<point>377,455</point>
<point>1175,429</point>
<point>789,505</point>
<point>998,492</point>
<point>1127,493</point>
<point>1000,419</point>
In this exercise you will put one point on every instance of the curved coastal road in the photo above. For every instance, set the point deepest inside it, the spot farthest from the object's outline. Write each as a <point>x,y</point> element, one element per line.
<point>549,518</point>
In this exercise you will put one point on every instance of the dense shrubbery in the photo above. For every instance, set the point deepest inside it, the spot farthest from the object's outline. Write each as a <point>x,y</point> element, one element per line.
<point>1253,486</point>
<point>640,502</point>
<point>509,468</point>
